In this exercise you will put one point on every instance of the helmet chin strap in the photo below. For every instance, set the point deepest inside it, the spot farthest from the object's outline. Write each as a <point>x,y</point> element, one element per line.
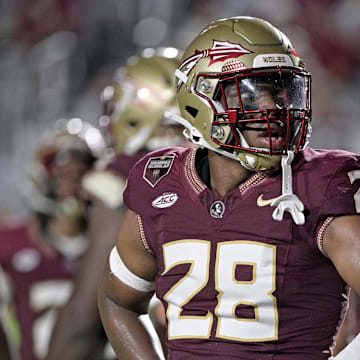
<point>251,161</point>
<point>288,201</point>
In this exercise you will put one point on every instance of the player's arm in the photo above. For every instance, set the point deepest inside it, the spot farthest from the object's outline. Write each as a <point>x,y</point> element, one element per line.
<point>342,245</point>
<point>158,318</point>
<point>78,333</point>
<point>125,291</point>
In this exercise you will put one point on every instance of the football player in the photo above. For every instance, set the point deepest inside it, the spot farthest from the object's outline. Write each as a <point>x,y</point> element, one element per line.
<point>39,254</point>
<point>133,123</point>
<point>252,240</point>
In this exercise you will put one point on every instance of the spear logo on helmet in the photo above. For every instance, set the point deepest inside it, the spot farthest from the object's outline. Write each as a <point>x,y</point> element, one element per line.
<point>220,51</point>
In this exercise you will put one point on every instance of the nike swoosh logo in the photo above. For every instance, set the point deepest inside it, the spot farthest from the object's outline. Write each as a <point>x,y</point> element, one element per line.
<point>261,202</point>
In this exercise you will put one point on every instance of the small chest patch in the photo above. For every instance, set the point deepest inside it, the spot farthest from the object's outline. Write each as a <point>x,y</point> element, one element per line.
<point>157,168</point>
<point>165,200</point>
<point>217,209</point>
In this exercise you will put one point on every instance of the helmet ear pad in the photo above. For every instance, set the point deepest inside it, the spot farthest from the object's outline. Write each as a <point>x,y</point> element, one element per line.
<point>197,109</point>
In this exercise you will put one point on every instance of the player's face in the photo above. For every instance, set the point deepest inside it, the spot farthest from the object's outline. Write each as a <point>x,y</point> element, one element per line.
<point>256,133</point>
<point>259,136</point>
<point>67,173</point>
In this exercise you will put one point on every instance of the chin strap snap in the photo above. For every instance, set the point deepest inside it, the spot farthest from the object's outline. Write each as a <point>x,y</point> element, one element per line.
<point>288,201</point>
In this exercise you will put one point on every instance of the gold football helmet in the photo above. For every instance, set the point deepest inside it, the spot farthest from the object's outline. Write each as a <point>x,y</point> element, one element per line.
<point>134,105</point>
<point>66,151</point>
<point>243,74</point>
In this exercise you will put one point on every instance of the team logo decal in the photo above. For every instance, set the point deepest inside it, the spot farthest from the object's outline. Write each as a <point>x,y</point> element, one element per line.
<point>157,168</point>
<point>217,209</point>
<point>165,200</point>
<point>220,51</point>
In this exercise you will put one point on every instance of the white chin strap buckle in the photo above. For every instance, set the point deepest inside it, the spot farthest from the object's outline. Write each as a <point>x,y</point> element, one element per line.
<point>288,201</point>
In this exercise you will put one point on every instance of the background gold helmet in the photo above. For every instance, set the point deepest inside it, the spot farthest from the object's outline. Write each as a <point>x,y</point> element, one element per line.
<point>221,78</point>
<point>134,105</point>
<point>64,154</point>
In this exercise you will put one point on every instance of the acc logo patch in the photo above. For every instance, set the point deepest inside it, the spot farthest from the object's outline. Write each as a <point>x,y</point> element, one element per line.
<point>165,200</point>
<point>157,168</point>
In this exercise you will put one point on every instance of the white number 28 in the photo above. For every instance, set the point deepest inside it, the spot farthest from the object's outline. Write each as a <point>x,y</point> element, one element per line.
<point>256,292</point>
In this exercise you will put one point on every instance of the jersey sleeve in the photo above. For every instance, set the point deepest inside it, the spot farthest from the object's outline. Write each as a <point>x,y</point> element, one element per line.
<point>127,193</point>
<point>147,177</point>
<point>134,187</point>
<point>342,195</point>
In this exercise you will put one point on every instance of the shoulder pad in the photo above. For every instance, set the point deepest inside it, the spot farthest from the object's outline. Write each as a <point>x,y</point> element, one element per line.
<point>156,172</point>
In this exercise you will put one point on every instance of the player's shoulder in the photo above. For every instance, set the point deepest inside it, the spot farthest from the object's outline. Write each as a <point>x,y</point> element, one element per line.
<point>330,161</point>
<point>330,180</point>
<point>157,173</point>
<point>175,151</point>
<point>159,162</point>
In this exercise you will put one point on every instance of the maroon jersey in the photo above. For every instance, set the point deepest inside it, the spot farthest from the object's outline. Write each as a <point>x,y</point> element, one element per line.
<point>235,283</point>
<point>121,164</point>
<point>41,281</point>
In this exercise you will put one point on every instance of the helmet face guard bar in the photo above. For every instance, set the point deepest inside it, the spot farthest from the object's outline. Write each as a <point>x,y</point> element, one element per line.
<point>274,101</point>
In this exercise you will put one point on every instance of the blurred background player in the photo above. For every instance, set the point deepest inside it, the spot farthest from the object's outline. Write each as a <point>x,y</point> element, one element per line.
<point>133,124</point>
<point>39,254</point>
